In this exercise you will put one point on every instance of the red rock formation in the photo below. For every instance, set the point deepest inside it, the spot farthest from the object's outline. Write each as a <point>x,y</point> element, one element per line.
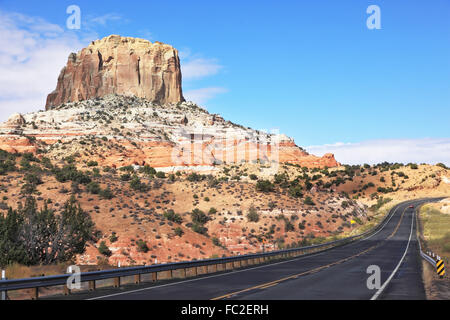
<point>119,65</point>
<point>17,144</point>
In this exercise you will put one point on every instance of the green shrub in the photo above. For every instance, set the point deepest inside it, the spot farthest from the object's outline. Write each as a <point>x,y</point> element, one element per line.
<point>160,175</point>
<point>104,250</point>
<point>70,173</point>
<point>93,188</point>
<point>442,166</point>
<point>216,241</point>
<point>264,186</point>
<point>113,238</point>
<point>308,201</point>
<point>137,185</point>
<point>252,215</point>
<point>172,216</point>
<point>199,217</point>
<point>148,170</point>
<point>179,232</point>
<point>92,163</point>
<point>142,246</point>
<point>125,177</point>
<point>296,191</point>
<point>106,194</point>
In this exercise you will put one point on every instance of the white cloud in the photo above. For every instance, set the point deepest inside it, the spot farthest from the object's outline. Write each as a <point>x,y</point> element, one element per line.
<point>32,54</point>
<point>199,68</point>
<point>426,150</point>
<point>104,19</point>
<point>202,95</point>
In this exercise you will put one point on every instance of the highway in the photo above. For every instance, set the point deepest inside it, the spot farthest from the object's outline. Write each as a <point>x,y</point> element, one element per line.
<point>336,274</point>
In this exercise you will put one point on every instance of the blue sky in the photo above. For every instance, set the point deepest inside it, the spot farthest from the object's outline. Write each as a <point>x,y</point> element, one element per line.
<point>310,68</point>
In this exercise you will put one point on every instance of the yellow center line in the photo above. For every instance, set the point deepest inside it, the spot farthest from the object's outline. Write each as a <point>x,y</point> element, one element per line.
<point>315,270</point>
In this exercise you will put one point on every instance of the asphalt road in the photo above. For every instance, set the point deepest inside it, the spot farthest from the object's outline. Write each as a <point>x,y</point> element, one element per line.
<point>337,274</point>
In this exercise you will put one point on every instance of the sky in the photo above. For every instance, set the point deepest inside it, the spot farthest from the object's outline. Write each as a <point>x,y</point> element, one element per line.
<point>311,69</point>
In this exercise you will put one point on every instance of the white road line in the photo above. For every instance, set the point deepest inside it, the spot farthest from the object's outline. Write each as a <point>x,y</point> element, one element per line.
<point>384,224</point>
<point>380,291</point>
<point>227,273</point>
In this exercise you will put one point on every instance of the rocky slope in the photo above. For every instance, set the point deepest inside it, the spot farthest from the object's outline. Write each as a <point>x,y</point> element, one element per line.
<point>136,131</point>
<point>120,65</point>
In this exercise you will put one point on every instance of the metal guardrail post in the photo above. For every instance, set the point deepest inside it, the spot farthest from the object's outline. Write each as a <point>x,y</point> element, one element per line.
<point>117,282</point>
<point>92,285</point>
<point>4,292</point>
<point>66,290</point>
<point>35,293</point>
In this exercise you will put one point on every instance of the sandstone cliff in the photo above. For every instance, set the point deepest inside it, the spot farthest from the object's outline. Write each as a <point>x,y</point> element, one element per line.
<point>119,65</point>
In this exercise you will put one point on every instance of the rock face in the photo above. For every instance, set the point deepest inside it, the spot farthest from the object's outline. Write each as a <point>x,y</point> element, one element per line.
<point>119,65</point>
<point>137,131</point>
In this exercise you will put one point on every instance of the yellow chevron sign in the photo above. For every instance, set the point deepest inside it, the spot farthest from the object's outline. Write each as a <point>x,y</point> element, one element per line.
<point>440,268</point>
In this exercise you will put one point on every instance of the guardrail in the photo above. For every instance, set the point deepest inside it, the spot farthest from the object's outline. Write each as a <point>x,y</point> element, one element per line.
<point>425,256</point>
<point>233,262</point>
<point>431,257</point>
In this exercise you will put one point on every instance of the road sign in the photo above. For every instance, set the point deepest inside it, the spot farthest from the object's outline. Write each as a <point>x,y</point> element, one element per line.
<point>440,268</point>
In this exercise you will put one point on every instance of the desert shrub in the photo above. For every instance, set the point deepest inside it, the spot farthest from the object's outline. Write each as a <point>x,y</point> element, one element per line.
<point>212,211</point>
<point>195,177</point>
<point>172,216</point>
<point>137,185</point>
<point>113,238</point>
<point>288,226</point>
<point>160,175</point>
<point>178,231</point>
<point>106,194</point>
<point>308,201</point>
<point>442,166</point>
<point>147,170</point>
<point>92,163</point>
<point>199,229</point>
<point>30,236</point>
<point>70,173</point>
<point>104,250</point>
<point>253,177</point>
<point>252,215</point>
<point>216,241</point>
<point>199,216</point>
<point>125,177</point>
<point>127,169</point>
<point>296,191</point>
<point>93,188</point>
<point>142,246</point>
<point>264,186</point>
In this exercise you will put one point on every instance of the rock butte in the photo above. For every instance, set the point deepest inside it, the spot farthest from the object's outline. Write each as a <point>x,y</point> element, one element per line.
<point>120,65</point>
<point>129,91</point>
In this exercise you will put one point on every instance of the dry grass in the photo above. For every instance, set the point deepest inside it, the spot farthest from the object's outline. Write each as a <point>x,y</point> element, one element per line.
<point>436,230</point>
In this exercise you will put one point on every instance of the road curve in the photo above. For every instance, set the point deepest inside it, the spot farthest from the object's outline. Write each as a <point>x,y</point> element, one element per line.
<point>337,274</point>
